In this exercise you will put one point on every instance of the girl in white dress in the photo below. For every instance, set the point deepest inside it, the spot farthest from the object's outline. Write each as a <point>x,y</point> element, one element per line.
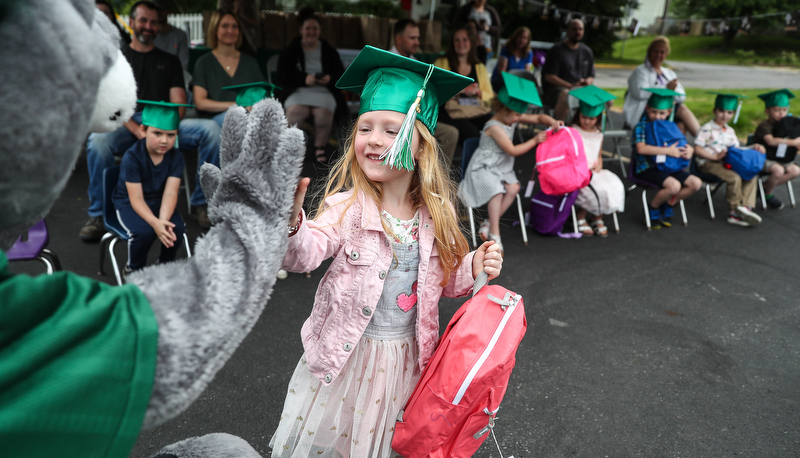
<point>605,194</point>
<point>388,221</point>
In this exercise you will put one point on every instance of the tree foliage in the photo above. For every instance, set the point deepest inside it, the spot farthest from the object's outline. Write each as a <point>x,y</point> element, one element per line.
<point>728,8</point>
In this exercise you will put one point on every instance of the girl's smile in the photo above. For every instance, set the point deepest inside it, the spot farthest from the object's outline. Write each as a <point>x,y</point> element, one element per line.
<point>376,130</point>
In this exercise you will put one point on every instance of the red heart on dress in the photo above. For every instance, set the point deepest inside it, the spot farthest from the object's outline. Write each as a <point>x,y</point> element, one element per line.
<point>406,302</point>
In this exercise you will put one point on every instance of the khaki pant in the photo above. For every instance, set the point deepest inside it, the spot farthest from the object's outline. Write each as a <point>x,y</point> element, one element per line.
<point>739,192</point>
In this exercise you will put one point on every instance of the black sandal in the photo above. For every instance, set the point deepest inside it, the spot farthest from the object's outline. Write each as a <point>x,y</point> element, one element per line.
<point>320,154</point>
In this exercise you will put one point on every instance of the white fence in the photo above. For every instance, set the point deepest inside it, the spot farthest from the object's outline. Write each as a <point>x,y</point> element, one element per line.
<point>192,24</point>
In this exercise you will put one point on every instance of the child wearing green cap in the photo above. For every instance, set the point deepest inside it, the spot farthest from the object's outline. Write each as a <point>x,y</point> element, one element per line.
<point>776,108</point>
<point>490,173</point>
<point>674,186</point>
<point>388,221</point>
<point>147,192</point>
<point>710,147</point>
<point>605,194</point>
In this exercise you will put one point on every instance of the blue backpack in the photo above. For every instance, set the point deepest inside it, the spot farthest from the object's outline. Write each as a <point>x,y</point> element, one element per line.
<point>666,133</point>
<point>746,162</point>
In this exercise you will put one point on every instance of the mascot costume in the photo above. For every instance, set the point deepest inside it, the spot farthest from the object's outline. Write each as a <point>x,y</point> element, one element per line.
<point>85,366</point>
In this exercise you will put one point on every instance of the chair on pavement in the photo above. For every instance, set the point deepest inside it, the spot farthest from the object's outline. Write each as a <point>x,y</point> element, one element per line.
<point>32,245</point>
<point>617,136</point>
<point>644,185</point>
<point>711,183</point>
<point>470,145</point>
<point>761,175</point>
<point>115,231</point>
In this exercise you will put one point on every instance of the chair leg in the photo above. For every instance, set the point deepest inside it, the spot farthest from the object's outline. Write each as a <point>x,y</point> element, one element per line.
<point>646,210</point>
<point>791,193</point>
<point>186,245</point>
<point>618,151</point>
<point>186,188</point>
<point>522,221</point>
<point>114,263</point>
<point>47,264</point>
<point>616,223</point>
<point>107,237</point>
<point>472,227</point>
<point>54,258</point>
<point>574,220</point>
<point>710,202</point>
<point>683,214</point>
<point>761,192</point>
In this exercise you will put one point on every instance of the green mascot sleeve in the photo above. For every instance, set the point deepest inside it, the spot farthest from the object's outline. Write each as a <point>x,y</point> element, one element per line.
<point>56,332</point>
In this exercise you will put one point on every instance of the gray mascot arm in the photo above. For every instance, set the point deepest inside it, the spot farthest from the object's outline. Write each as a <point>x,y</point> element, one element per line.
<point>206,305</point>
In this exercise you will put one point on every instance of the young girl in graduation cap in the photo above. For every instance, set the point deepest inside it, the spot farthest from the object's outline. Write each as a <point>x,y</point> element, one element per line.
<point>388,221</point>
<point>605,194</point>
<point>490,174</point>
<point>147,193</point>
<point>710,148</point>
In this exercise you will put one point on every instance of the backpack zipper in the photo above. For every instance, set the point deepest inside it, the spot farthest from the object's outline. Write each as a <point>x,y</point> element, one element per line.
<point>509,303</point>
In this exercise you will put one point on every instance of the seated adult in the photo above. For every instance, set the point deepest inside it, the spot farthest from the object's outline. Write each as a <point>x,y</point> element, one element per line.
<point>224,66</point>
<point>406,43</point>
<point>171,39</point>
<point>515,55</point>
<point>569,64</point>
<point>469,110</point>
<point>487,21</point>
<point>308,70</point>
<point>650,74</point>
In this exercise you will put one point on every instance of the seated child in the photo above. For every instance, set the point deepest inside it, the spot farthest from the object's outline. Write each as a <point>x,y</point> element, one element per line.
<point>147,192</point>
<point>710,147</point>
<point>777,107</point>
<point>605,194</point>
<point>490,174</point>
<point>674,186</point>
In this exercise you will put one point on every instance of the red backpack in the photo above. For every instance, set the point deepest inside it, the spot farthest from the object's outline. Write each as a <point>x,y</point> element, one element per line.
<point>452,409</point>
<point>561,162</point>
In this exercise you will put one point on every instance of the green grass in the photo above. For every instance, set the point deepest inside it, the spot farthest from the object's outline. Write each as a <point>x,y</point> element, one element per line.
<point>744,50</point>
<point>702,105</point>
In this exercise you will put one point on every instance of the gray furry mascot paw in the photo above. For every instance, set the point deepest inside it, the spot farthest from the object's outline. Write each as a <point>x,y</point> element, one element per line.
<point>85,366</point>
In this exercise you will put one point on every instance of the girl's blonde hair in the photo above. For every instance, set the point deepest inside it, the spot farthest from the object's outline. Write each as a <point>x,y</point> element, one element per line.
<point>213,25</point>
<point>431,186</point>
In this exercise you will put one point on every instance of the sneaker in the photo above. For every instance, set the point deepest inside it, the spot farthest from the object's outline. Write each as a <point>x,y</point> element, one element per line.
<point>655,218</point>
<point>201,213</point>
<point>748,215</point>
<point>483,232</point>
<point>666,211</point>
<point>737,220</point>
<point>282,274</point>
<point>774,203</point>
<point>93,230</point>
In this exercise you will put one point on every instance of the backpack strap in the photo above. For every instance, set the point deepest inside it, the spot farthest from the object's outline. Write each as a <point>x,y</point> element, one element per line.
<point>480,281</point>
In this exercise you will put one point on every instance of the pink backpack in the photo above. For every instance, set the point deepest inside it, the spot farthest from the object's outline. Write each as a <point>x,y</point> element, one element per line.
<point>561,162</point>
<point>452,409</point>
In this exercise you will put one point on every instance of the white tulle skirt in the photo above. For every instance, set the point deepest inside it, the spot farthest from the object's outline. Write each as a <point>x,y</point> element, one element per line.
<point>610,192</point>
<point>355,415</point>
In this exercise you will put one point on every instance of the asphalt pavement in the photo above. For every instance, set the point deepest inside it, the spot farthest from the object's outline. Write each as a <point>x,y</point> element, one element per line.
<point>711,76</point>
<point>677,342</point>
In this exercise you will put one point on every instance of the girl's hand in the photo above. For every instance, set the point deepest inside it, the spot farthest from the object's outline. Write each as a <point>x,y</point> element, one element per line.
<point>597,167</point>
<point>541,137</point>
<point>488,258</point>
<point>299,197</point>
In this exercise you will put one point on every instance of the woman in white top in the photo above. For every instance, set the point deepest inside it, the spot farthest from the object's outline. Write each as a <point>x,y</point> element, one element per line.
<point>652,74</point>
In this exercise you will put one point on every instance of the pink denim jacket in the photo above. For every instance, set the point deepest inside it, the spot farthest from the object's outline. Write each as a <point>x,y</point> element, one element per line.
<point>349,291</point>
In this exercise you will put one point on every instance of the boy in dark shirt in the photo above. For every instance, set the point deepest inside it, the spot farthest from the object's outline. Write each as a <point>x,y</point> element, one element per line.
<point>777,107</point>
<point>147,193</point>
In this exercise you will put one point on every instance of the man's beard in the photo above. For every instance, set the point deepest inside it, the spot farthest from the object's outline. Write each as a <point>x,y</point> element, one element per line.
<point>145,39</point>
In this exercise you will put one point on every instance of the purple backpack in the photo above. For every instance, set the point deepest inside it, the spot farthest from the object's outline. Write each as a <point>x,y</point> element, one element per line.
<point>549,213</point>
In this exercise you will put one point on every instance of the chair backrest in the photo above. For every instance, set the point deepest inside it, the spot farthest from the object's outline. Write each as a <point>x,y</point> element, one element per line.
<point>30,244</point>
<point>110,180</point>
<point>751,139</point>
<point>272,67</point>
<point>470,145</point>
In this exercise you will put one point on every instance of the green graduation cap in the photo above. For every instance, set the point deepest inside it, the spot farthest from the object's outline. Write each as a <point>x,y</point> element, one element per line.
<point>388,81</point>
<point>779,98</point>
<point>161,115</point>
<point>518,92</point>
<point>250,94</point>
<point>592,101</point>
<point>729,102</point>
<point>662,98</point>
